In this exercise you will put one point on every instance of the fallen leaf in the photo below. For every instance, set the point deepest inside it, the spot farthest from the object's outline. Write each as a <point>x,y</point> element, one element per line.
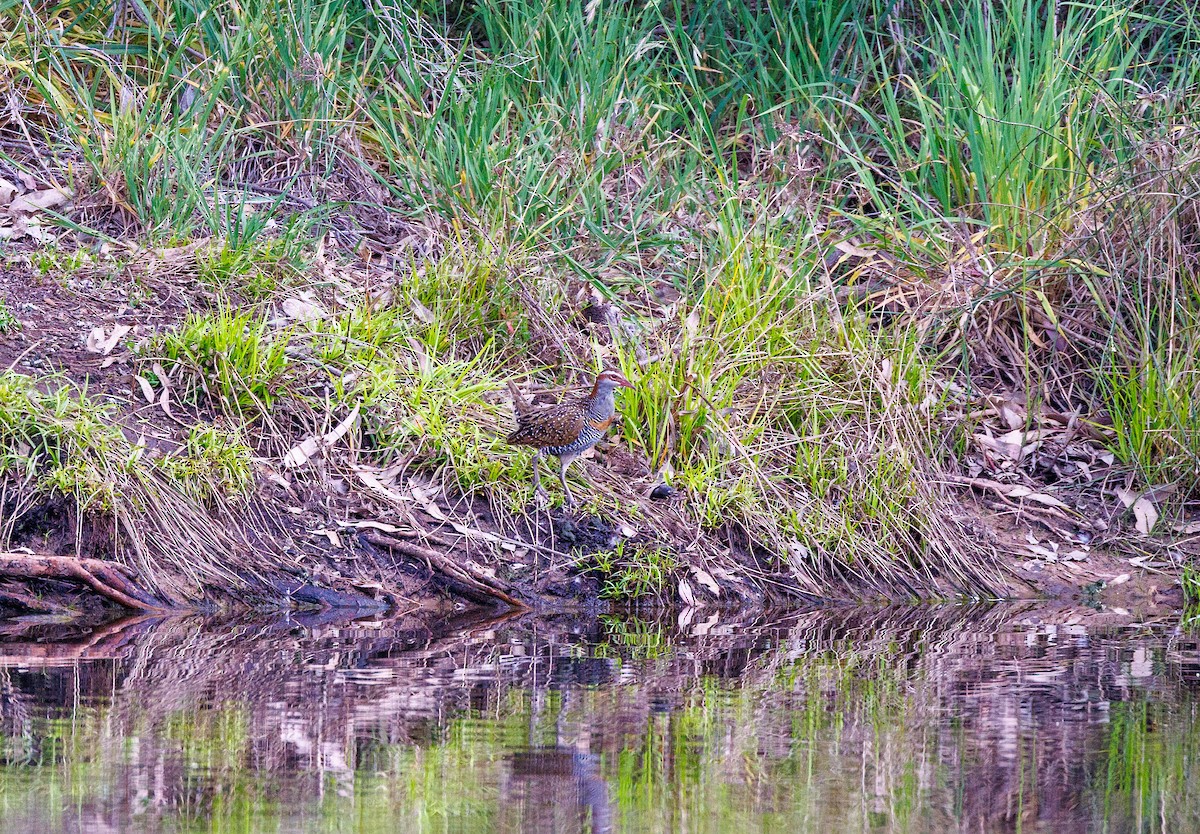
<point>310,447</point>
<point>1145,515</point>
<point>1019,491</point>
<point>37,201</point>
<point>1119,580</point>
<point>302,310</point>
<point>706,579</point>
<point>119,331</point>
<point>302,452</point>
<point>686,594</point>
<point>95,338</point>
<point>1187,529</point>
<point>368,477</point>
<point>848,248</point>
<point>147,388</point>
<point>423,313</point>
<point>334,538</point>
<point>435,511</point>
<point>374,525</point>
<point>1126,496</point>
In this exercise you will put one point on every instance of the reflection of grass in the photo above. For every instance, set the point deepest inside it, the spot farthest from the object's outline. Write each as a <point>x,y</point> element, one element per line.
<point>1146,781</point>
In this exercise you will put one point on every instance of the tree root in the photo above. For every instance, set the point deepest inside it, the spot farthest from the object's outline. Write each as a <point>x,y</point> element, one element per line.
<point>109,579</point>
<point>472,584</point>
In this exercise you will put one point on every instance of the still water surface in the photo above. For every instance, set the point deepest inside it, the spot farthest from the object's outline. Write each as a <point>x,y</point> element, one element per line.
<point>895,720</point>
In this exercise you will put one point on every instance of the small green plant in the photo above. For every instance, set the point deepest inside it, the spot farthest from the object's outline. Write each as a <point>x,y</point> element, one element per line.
<point>214,462</point>
<point>62,441</point>
<point>1190,581</point>
<point>8,322</point>
<point>254,271</point>
<point>630,573</point>
<point>60,265</point>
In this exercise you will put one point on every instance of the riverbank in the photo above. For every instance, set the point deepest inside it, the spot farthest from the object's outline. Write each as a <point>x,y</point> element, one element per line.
<point>153,469</point>
<point>904,338</point>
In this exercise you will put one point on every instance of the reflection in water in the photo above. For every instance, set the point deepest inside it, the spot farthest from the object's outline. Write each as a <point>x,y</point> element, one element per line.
<point>896,720</point>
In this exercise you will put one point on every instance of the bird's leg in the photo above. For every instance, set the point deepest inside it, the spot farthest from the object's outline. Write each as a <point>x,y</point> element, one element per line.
<point>538,492</point>
<point>562,476</point>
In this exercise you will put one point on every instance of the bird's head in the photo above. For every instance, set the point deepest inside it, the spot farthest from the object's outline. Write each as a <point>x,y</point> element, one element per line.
<point>611,380</point>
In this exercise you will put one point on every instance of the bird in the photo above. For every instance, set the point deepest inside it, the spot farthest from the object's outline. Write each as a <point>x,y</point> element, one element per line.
<point>568,429</point>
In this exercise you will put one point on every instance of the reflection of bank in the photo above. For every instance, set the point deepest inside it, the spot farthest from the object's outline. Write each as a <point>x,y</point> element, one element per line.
<point>554,789</point>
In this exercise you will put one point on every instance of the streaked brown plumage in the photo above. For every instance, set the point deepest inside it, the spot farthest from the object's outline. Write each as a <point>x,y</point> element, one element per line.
<point>568,429</point>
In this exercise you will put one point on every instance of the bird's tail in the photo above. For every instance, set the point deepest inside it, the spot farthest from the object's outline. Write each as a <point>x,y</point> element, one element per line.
<point>520,404</point>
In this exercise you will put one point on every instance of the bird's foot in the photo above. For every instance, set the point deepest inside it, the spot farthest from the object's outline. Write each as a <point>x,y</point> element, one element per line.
<point>541,498</point>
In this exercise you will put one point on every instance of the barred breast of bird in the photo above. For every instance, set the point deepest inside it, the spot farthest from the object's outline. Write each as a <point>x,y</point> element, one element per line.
<point>589,436</point>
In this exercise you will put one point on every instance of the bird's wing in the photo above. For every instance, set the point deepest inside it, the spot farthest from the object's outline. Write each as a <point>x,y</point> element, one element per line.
<point>554,426</point>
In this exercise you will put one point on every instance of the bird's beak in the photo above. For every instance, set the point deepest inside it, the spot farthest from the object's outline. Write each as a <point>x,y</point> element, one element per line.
<point>624,383</point>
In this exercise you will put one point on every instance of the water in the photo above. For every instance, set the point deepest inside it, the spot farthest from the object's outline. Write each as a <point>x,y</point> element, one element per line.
<point>896,720</point>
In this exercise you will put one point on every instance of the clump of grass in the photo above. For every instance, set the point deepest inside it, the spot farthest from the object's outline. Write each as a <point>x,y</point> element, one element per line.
<point>62,441</point>
<point>214,463</point>
<point>255,271</point>
<point>9,323</point>
<point>631,573</point>
<point>235,359</point>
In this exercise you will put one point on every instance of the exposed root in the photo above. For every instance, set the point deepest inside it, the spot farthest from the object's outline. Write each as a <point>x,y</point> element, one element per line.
<point>108,579</point>
<point>463,578</point>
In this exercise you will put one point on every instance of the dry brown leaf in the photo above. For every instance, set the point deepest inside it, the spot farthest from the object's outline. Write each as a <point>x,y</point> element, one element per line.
<point>368,477</point>
<point>332,535</point>
<point>164,402</point>
<point>119,331</point>
<point>308,448</point>
<point>1018,491</point>
<point>423,364</point>
<point>1126,496</point>
<point>374,525</point>
<point>37,201</point>
<point>302,452</point>
<point>302,310</point>
<point>422,313</point>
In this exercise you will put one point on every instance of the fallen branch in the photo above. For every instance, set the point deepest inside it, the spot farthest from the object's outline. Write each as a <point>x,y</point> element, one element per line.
<point>471,583</point>
<point>108,579</point>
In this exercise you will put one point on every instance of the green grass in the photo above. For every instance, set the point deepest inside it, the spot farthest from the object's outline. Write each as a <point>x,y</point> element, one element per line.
<point>1022,182</point>
<point>8,322</point>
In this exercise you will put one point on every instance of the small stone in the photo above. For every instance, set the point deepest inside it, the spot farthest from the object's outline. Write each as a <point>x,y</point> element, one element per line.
<point>662,492</point>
